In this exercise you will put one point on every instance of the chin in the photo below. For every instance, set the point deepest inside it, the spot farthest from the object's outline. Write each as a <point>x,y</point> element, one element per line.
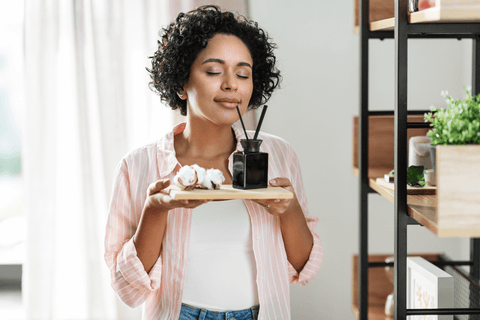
<point>225,118</point>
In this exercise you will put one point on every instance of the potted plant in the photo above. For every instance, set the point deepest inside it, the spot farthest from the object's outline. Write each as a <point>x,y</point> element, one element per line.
<point>456,141</point>
<point>457,125</point>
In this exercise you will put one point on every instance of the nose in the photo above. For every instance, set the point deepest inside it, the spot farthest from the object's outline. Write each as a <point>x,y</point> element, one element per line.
<point>229,82</point>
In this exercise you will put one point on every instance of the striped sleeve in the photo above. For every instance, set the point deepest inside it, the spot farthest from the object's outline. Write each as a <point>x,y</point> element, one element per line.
<point>314,261</point>
<point>128,276</point>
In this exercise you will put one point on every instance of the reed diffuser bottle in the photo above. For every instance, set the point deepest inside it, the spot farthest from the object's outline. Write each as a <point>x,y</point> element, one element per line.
<point>250,167</point>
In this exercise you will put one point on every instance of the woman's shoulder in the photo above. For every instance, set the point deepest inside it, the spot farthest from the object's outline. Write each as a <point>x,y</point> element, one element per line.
<point>140,152</point>
<point>274,141</point>
<point>141,158</point>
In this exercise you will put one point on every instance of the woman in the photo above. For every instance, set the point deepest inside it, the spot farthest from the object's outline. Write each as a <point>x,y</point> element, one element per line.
<point>220,259</point>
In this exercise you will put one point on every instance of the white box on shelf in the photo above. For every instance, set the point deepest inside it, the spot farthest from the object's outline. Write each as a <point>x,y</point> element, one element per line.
<point>428,287</point>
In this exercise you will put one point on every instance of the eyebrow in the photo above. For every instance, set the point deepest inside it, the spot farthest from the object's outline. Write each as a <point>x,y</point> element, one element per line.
<point>240,64</point>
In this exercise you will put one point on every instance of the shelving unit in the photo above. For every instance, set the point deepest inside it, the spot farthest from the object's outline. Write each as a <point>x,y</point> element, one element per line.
<point>423,208</point>
<point>383,19</point>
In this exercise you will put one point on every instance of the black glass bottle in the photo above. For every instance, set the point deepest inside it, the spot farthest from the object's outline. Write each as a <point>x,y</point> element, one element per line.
<point>250,167</point>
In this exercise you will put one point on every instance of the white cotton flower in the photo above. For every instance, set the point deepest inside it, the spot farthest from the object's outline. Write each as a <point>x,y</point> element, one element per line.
<point>185,178</point>
<point>200,173</point>
<point>213,179</point>
<point>196,177</point>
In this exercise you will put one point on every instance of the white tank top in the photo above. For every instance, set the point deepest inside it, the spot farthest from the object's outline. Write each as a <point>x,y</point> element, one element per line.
<point>221,271</point>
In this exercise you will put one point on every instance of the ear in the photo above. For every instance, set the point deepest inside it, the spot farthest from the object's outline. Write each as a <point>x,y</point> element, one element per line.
<point>182,94</point>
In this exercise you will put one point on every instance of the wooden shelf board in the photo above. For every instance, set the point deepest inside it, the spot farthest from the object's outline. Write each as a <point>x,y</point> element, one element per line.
<point>442,14</point>
<point>445,14</point>
<point>383,25</point>
<point>421,207</point>
<point>379,286</point>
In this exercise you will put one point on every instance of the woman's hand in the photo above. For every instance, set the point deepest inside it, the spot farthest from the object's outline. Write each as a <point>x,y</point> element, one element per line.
<point>279,207</point>
<point>153,223</point>
<point>296,235</point>
<point>161,201</point>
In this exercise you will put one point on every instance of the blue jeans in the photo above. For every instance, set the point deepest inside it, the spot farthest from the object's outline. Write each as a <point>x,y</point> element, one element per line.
<point>192,313</point>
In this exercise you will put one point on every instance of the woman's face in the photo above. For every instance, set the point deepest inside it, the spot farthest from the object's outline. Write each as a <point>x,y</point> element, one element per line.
<point>220,79</point>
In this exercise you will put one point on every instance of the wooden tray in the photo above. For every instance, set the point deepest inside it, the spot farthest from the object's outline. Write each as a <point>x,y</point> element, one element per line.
<point>228,192</point>
<point>428,189</point>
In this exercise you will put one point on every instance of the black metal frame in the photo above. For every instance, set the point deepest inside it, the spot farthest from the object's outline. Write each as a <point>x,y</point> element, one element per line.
<point>402,32</point>
<point>363,160</point>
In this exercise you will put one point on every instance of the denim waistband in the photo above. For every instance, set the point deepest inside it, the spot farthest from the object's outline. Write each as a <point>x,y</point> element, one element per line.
<point>201,313</point>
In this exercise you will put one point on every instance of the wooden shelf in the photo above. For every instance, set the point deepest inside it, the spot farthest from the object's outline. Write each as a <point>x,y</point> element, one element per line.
<point>382,14</point>
<point>444,14</point>
<point>379,286</point>
<point>457,221</point>
<point>423,208</point>
<point>433,15</point>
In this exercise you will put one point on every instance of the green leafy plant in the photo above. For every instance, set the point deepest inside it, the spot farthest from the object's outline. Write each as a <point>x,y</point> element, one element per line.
<point>416,176</point>
<point>459,124</point>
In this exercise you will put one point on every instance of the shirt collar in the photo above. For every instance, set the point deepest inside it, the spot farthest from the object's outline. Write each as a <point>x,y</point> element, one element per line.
<point>166,157</point>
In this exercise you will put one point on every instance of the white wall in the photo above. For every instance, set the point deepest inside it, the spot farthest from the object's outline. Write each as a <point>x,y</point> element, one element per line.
<point>319,54</point>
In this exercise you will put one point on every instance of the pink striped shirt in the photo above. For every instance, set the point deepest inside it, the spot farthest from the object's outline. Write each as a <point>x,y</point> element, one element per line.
<point>161,289</point>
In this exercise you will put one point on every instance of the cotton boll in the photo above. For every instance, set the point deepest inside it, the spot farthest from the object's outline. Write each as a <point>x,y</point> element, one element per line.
<point>217,177</point>
<point>213,179</point>
<point>185,178</point>
<point>200,173</point>
<point>207,183</point>
<point>194,176</point>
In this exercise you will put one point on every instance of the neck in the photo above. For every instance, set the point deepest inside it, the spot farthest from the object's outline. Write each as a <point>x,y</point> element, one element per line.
<point>205,140</point>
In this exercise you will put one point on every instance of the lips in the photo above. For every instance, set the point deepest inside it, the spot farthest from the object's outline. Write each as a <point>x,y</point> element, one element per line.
<point>228,102</point>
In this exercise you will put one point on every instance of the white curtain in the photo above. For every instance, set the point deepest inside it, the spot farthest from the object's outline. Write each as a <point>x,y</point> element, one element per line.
<point>88,104</point>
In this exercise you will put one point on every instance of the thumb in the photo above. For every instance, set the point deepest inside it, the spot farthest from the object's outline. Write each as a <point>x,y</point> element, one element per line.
<point>158,186</point>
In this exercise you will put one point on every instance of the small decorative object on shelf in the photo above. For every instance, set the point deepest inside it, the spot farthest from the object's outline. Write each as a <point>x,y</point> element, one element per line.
<point>390,177</point>
<point>417,5</point>
<point>413,5</point>
<point>430,177</point>
<point>425,4</point>
<point>390,302</point>
<point>416,176</point>
<point>250,167</point>
<point>428,287</point>
<point>419,151</point>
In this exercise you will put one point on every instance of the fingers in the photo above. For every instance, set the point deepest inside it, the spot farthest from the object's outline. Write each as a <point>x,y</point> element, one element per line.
<point>280,182</point>
<point>275,207</point>
<point>267,202</point>
<point>162,201</point>
<point>158,186</point>
<point>188,204</point>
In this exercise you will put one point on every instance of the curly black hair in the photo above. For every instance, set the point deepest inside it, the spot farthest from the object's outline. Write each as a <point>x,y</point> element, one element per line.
<point>183,39</point>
